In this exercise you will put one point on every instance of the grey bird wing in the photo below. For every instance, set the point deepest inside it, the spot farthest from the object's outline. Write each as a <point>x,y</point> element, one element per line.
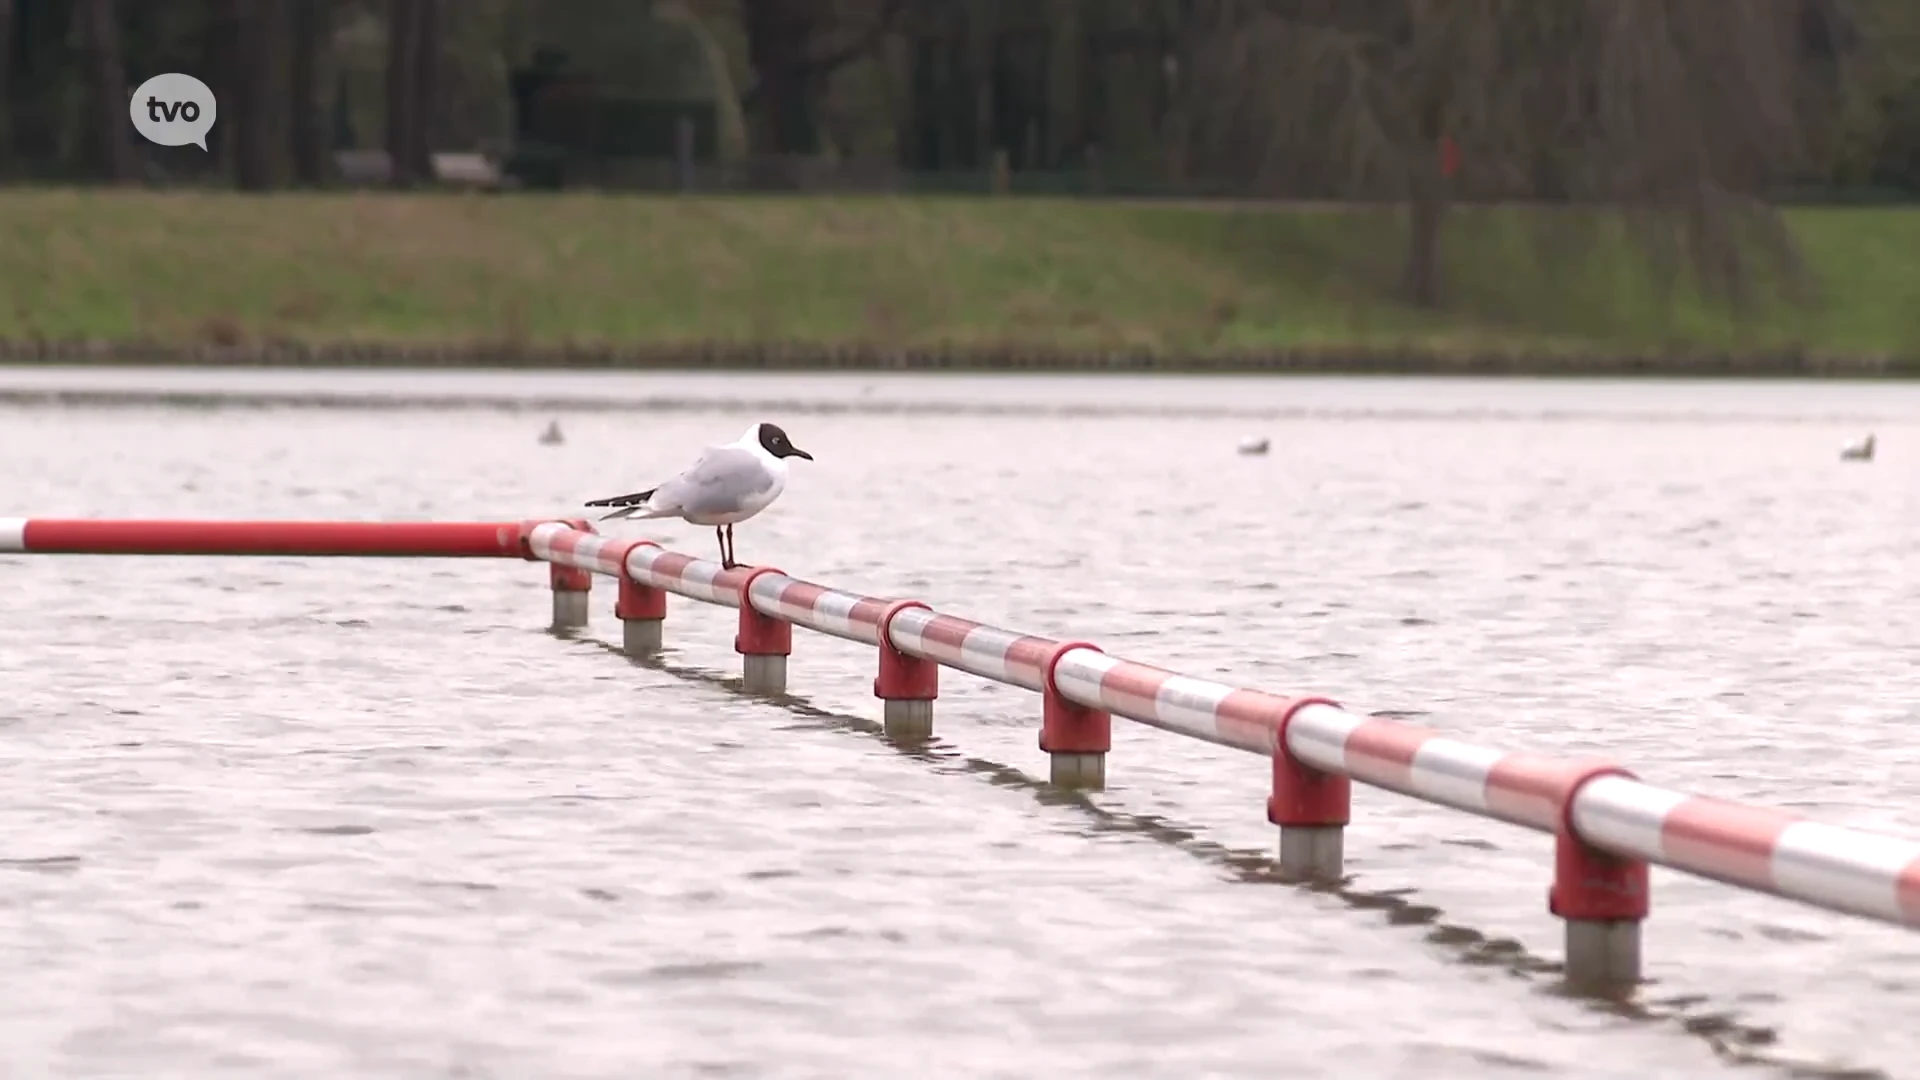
<point>718,483</point>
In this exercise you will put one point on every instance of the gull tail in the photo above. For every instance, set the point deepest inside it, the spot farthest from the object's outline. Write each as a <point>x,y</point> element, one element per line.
<point>628,503</point>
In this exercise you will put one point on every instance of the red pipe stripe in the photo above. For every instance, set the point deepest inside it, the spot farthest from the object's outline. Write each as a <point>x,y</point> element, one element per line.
<point>671,565</point>
<point>1031,653</point>
<point>1382,751</point>
<point>1726,839</point>
<point>1127,681</point>
<point>424,539</point>
<point>1531,788</point>
<point>1251,717</point>
<point>944,633</point>
<point>1906,891</point>
<point>867,611</point>
<point>801,594</point>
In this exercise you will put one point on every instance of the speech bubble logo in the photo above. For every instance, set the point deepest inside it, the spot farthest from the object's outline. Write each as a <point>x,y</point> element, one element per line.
<point>173,110</point>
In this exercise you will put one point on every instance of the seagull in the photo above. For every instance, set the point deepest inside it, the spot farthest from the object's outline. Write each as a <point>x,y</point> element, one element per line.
<point>1254,445</point>
<point>728,485</point>
<point>552,436</point>
<point>1858,451</point>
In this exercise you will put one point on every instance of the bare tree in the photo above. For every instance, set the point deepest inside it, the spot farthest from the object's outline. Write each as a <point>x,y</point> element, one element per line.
<point>426,86</point>
<point>6,80</point>
<point>794,46</point>
<point>404,25</point>
<point>308,23</point>
<point>1685,115</point>
<point>251,39</point>
<point>108,79</point>
<point>413,79</point>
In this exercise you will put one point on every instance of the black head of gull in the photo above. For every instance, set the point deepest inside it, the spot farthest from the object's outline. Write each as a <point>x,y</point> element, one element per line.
<point>774,441</point>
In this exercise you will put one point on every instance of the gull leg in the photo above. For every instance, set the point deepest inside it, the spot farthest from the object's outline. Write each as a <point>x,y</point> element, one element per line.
<point>733,553</point>
<point>720,537</point>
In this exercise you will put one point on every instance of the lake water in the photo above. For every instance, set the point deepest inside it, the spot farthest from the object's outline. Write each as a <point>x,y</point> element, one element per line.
<point>325,818</point>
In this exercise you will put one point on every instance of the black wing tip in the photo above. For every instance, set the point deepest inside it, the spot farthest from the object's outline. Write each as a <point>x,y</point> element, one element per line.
<point>634,499</point>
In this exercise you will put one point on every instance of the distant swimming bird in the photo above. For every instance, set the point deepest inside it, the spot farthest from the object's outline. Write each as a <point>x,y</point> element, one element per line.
<point>1254,445</point>
<point>727,485</point>
<point>552,436</point>
<point>1858,451</point>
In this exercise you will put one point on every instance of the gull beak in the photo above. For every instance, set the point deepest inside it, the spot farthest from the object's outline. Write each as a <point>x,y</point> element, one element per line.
<point>797,452</point>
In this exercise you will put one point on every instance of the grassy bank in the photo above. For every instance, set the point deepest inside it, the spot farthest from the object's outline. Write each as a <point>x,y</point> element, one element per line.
<point>661,271</point>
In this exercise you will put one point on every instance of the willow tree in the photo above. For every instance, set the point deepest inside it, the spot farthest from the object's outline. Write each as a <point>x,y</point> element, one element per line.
<point>1682,116</point>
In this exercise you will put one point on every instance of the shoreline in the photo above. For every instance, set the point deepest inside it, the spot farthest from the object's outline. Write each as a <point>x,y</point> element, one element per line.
<point>804,357</point>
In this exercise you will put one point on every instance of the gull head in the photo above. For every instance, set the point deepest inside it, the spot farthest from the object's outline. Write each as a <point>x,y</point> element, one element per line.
<point>772,440</point>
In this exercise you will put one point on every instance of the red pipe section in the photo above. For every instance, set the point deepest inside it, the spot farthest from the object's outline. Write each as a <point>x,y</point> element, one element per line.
<point>404,539</point>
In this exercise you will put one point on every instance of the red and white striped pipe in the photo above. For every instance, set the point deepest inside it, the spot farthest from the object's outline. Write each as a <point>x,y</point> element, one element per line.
<point>1765,850</point>
<point>816,607</point>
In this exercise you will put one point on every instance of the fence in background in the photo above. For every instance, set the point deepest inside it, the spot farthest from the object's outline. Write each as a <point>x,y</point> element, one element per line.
<point>1608,826</point>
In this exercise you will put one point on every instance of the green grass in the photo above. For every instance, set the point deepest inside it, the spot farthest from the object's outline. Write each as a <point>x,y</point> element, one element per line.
<point>190,267</point>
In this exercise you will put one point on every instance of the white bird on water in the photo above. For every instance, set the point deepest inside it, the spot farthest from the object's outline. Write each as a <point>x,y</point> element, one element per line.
<point>726,486</point>
<point>1254,444</point>
<point>1858,451</point>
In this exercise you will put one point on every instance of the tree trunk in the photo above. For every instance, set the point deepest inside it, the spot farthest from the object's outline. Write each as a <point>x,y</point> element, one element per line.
<point>6,86</point>
<point>220,58</point>
<point>402,97</point>
<point>778,34</point>
<point>426,86</point>
<point>107,80</point>
<point>275,47</point>
<point>252,67</point>
<point>1427,212</point>
<point>306,142</point>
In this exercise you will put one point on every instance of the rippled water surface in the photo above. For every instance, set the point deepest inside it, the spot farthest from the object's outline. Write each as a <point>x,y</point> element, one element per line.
<point>326,818</point>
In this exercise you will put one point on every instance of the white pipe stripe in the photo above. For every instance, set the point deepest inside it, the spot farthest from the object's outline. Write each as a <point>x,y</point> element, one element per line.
<point>1317,735</point>
<point>540,540</point>
<point>765,592</point>
<point>1191,706</point>
<point>936,648</point>
<point>700,577</point>
<point>1194,706</point>
<point>989,649</point>
<point>1124,699</point>
<point>1843,868</point>
<point>769,598</point>
<point>13,534</point>
<point>1625,817</point>
<point>590,553</point>
<point>1187,711</point>
<point>908,631</point>
<point>836,608</point>
<point>1078,676</point>
<point>985,652</point>
<point>695,582</point>
<point>1453,773</point>
<point>982,652</point>
<point>905,629</point>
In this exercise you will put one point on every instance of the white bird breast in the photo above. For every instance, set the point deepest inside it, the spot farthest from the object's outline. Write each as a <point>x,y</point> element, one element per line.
<point>749,505</point>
